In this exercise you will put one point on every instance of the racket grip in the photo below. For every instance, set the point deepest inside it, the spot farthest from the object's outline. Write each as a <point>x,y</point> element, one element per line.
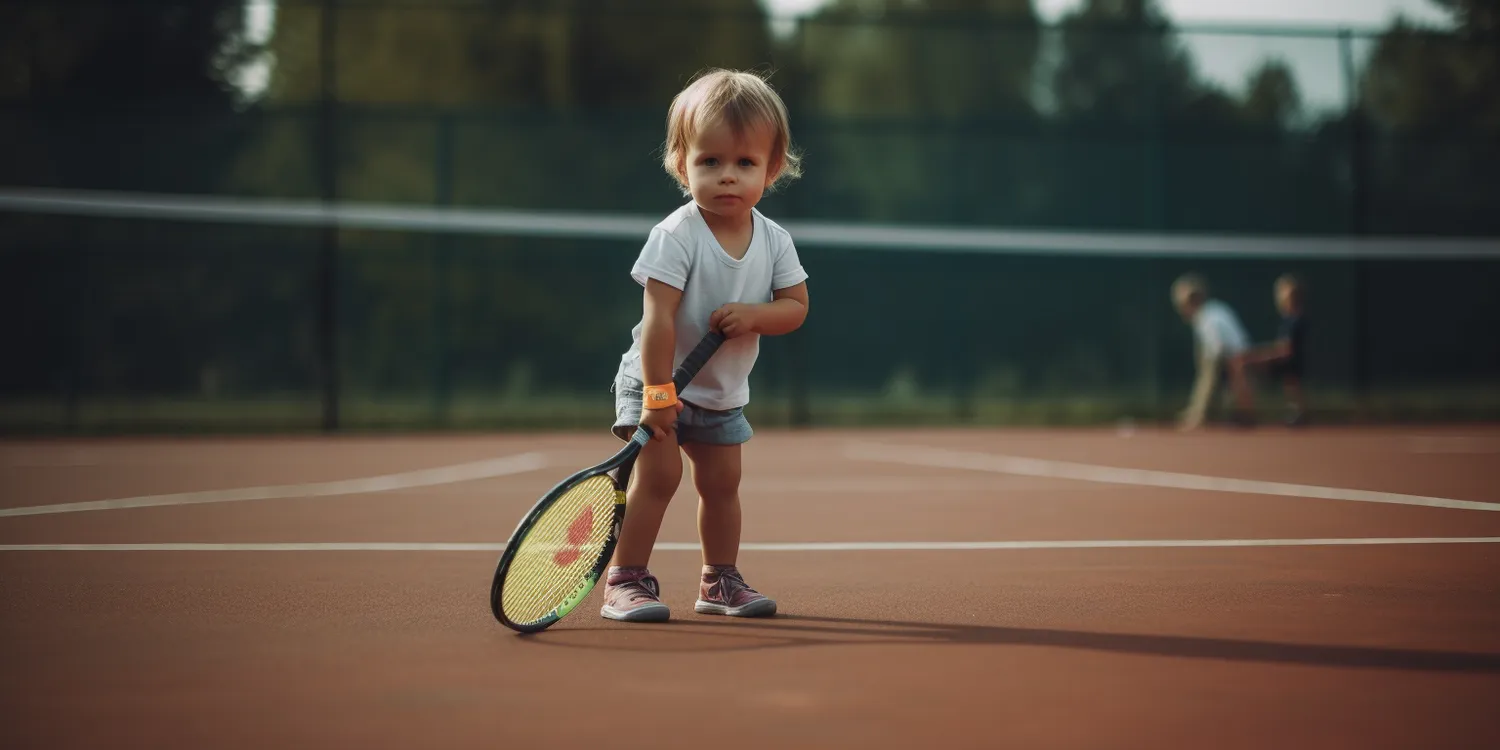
<point>696,359</point>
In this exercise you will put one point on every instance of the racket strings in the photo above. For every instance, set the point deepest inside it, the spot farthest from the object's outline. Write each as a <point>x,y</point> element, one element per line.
<point>559,550</point>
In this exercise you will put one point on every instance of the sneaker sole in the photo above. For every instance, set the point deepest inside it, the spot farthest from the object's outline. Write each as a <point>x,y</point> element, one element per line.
<point>757,608</point>
<point>643,613</point>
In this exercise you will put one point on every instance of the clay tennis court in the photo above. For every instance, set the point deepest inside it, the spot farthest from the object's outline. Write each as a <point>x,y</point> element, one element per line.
<point>960,588</point>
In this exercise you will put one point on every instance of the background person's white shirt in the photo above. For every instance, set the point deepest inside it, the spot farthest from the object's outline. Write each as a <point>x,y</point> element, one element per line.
<point>1220,334</point>
<point>683,252</point>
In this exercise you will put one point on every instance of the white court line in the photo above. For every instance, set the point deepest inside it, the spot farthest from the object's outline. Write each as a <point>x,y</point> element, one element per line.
<point>752,546</point>
<point>495,467</point>
<point>868,485</point>
<point>1035,467</point>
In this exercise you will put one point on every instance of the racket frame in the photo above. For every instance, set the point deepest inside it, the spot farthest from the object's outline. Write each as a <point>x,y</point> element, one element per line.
<point>618,468</point>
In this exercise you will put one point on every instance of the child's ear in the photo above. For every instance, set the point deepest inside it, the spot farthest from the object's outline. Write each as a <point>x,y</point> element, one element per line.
<point>682,168</point>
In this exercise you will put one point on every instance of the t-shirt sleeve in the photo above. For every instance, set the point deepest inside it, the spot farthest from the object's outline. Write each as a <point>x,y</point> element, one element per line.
<point>787,271</point>
<point>663,258</point>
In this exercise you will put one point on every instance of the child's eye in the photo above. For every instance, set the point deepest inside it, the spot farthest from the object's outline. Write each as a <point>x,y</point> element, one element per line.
<point>710,162</point>
<point>747,163</point>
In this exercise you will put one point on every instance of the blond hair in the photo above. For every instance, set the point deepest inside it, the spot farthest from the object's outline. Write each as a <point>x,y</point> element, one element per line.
<point>1189,287</point>
<point>741,100</point>
<point>1290,282</point>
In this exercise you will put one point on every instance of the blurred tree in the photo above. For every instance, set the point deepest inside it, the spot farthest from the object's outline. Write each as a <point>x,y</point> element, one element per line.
<point>501,91</point>
<point>141,53</point>
<point>557,55</point>
<point>915,108</point>
<point>1293,167</point>
<point>1432,100</point>
<point>1122,66</point>
<point>136,95</point>
<point>1272,97</point>
<point>928,59</point>
<point>1124,89</point>
<point>93,81</point>
<point>624,57</point>
<point>1419,80</point>
<point>1474,17</point>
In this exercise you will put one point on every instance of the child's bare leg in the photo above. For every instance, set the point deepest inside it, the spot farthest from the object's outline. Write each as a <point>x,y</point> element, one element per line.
<point>1293,388</point>
<point>716,476</point>
<point>1295,399</point>
<point>658,471</point>
<point>1239,381</point>
<point>722,589</point>
<point>631,593</point>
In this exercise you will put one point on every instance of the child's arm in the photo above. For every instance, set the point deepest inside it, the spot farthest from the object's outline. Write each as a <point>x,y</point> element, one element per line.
<point>1280,349</point>
<point>782,315</point>
<point>658,346</point>
<point>1210,346</point>
<point>1203,388</point>
<point>659,331</point>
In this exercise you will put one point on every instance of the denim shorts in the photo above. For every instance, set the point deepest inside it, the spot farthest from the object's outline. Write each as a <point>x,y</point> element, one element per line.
<point>695,424</point>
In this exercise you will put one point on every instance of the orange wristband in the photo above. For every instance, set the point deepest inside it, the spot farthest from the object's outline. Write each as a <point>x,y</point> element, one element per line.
<point>660,396</point>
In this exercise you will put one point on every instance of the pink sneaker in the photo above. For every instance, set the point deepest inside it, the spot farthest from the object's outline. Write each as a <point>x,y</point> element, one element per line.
<point>633,595</point>
<point>723,591</point>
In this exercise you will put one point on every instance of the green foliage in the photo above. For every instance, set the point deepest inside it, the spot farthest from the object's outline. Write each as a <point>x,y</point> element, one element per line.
<point>127,95</point>
<point>1433,100</point>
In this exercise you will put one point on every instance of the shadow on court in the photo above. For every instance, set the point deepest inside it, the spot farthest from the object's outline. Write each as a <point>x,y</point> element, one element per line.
<point>801,631</point>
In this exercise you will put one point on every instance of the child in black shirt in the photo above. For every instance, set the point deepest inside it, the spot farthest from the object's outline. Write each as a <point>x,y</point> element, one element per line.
<point>1286,358</point>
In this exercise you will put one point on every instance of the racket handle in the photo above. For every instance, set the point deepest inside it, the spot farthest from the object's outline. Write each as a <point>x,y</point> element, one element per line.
<point>696,359</point>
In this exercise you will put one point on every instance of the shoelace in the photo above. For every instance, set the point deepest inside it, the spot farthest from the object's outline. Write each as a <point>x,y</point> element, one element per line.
<point>730,592</point>
<point>639,589</point>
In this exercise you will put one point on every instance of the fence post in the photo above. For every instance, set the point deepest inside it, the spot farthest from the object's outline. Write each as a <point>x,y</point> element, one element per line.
<point>442,271</point>
<point>800,406</point>
<point>328,254</point>
<point>1155,133</point>
<point>1359,211</point>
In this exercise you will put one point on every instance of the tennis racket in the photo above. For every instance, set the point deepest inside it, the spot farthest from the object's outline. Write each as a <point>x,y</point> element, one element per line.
<point>563,544</point>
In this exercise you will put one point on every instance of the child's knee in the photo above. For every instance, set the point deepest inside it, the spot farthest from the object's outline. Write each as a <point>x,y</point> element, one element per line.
<point>718,491</point>
<point>657,475</point>
<point>716,476</point>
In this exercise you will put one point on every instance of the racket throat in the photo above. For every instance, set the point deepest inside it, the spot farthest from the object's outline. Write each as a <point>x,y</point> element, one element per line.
<point>576,596</point>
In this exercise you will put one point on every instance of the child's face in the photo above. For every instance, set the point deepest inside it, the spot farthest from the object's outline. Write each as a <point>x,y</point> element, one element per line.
<point>727,175</point>
<point>1284,301</point>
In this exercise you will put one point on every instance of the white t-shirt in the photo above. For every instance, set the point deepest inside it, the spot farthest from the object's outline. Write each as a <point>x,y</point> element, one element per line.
<point>682,251</point>
<point>1219,331</point>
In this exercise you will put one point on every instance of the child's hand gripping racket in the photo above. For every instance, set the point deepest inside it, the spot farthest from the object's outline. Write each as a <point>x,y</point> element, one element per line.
<point>563,544</point>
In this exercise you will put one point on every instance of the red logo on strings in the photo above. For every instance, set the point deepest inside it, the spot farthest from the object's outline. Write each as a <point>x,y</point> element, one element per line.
<point>578,533</point>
